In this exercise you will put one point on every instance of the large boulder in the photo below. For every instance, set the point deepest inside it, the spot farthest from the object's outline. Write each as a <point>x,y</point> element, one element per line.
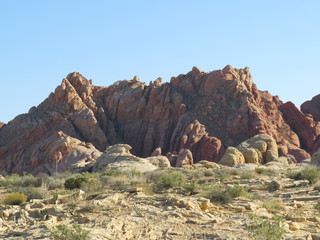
<point>232,157</point>
<point>118,157</point>
<point>262,148</point>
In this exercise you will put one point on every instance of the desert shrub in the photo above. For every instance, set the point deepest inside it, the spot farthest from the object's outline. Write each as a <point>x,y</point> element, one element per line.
<point>208,173</point>
<point>317,206</point>
<point>274,205</point>
<point>191,188</point>
<point>293,174</point>
<point>63,232</point>
<point>28,181</point>
<point>265,171</point>
<point>312,174</point>
<point>220,194</point>
<point>264,229</point>
<point>163,180</point>
<point>111,172</point>
<point>194,174</point>
<point>9,180</point>
<point>34,193</point>
<point>246,174</point>
<point>79,180</point>
<point>237,191</point>
<point>226,194</point>
<point>15,199</point>
<point>222,174</point>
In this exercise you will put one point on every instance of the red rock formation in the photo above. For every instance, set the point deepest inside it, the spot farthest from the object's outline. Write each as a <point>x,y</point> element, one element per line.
<point>2,124</point>
<point>312,107</point>
<point>201,112</point>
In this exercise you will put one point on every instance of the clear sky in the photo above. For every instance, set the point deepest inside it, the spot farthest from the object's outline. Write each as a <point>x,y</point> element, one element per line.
<point>42,41</point>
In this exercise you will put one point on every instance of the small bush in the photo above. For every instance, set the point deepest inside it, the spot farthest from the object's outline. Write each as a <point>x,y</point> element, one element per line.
<point>28,181</point>
<point>222,174</point>
<point>237,191</point>
<point>167,179</point>
<point>246,174</point>
<point>34,193</point>
<point>191,188</point>
<point>264,229</point>
<point>15,199</point>
<point>110,172</point>
<point>220,194</point>
<point>77,181</point>
<point>293,174</point>
<point>312,174</point>
<point>265,171</point>
<point>63,232</point>
<point>208,173</point>
<point>225,194</point>
<point>274,205</point>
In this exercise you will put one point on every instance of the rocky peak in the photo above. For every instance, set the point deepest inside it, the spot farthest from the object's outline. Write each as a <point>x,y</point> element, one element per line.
<point>2,124</point>
<point>199,114</point>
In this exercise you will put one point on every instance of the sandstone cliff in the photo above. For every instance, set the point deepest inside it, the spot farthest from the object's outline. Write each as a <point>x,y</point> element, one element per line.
<point>204,112</point>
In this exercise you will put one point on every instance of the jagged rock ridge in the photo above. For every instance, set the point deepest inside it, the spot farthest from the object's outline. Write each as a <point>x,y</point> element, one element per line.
<point>203,112</point>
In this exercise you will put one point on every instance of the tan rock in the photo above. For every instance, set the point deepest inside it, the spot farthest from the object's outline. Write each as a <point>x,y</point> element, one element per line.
<point>232,157</point>
<point>262,148</point>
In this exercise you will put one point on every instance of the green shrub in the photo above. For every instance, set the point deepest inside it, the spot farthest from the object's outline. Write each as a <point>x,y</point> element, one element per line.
<point>293,174</point>
<point>208,173</point>
<point>237,191</point>
<point>15,199</point>
<point>63,232</point>
<point>274,205</point>
<point>226,194</point>
<point>312,174</point>
<point>77,181</point>
<point>265,171</point>
<point>163,180</point>
<point>220,194</point>
<point>264,229</point>
<point>191,187</point>
<point>34,193</point>
<point>28,181</point>
<point>246,174</point>
<point>110,172</point>
<point>222,174</point>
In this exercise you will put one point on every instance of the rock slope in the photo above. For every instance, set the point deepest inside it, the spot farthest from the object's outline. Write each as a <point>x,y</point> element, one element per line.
<point>200,112</point>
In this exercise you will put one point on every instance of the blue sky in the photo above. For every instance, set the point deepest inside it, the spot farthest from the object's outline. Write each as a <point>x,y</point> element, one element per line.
<point>42,41</point>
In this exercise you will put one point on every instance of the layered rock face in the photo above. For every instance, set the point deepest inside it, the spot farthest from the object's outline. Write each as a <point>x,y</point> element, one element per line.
<point>200,112</point>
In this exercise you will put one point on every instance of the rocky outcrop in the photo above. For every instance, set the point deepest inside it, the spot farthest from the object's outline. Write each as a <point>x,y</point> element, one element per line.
<point>118,157</point>
<point>260,149</point>
<point>2,124</point>
<point>232,157</point>
<point>203,112</point>
<point>303,125</point>
<point>312,107</point>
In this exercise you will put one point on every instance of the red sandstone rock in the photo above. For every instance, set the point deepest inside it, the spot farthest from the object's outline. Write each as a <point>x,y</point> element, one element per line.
<point>156,152</point>
<point>312,107</point>
<point>2,124</point>
<point>201,113</point>
<point>184,158</point>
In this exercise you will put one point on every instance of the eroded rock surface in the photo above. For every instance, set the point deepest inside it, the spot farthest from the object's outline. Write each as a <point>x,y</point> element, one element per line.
<point>203,112</point>
<point>119,158</point>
